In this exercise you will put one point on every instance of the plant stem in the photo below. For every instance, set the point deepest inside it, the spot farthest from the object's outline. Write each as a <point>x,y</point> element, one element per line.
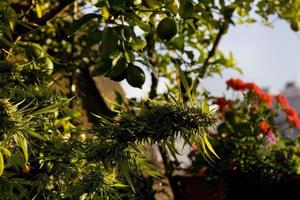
<point>213,50</point>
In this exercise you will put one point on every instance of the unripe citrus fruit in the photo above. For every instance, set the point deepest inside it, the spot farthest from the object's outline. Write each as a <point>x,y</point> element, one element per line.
<point>294,26</point>
<point>118,72</point>
<point>167,29</point>
<point>135,76</point>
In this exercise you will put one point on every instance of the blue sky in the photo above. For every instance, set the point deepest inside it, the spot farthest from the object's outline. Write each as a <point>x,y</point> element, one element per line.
<point>268,56</point>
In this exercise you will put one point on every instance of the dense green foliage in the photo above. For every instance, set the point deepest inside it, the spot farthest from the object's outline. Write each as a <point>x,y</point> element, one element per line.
<point>45,151</point>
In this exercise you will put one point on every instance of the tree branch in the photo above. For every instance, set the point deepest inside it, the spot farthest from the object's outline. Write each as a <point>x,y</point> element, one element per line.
<point>20,30</point>
<point>153,90</point>
<point>55,11</point>
<point>152,59</point>
<point>92,100</point>
<point>213,50</point>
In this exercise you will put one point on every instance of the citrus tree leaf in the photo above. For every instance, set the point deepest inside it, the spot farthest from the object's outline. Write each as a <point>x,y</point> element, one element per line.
<point>76,25</point>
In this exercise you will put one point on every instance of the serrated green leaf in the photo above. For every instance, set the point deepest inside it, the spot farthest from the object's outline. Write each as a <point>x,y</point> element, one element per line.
<point>34,135</point>
<point>22,142</point>
<point>207,143</point>
<point>120,185</point>
<point>128,178</point>
<point>1,164</point>
<point>48,109</point>
<point>5,151</point>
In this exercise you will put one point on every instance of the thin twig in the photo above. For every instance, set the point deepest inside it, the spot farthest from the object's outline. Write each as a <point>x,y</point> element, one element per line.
<point>213,50</point>
<point>46,18</point>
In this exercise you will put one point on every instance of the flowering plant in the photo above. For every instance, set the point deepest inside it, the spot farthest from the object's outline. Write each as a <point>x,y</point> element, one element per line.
<point>247,139</point>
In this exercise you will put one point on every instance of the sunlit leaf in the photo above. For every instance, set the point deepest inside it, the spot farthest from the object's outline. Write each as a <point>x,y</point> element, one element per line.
<point>207,143</point>
<point>38,10</point>
<point>185,83</point>
<point>34,135</point>
<point>5,151</point>
<point>48,109</point>
<point>22,142</point>
<point>1,164</point>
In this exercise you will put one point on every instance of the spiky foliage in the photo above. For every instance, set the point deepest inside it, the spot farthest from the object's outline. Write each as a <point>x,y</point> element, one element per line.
<point>159,123</point>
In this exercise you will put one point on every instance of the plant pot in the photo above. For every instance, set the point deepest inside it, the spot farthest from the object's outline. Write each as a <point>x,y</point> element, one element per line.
<point>194,188</point>
<point>239,187</point>
<point>292,187</point>
<point>235,187</point>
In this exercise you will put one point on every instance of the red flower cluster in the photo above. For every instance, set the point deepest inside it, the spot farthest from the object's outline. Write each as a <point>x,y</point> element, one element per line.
<point>222,103</point>
<point>264,127</point>
<point>236,84</point>
<point>253,88</point>
<point>291,114</point>
<point>282,100</point>
<point>264,97</point>
<point>240,85</point>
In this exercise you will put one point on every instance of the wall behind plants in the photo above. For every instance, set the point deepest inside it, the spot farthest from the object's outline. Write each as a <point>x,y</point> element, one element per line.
<point>45,152</point>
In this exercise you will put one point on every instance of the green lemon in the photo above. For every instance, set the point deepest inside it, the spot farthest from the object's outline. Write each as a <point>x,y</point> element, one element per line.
<point>135,76</point>
<point>294,25</point>
<point>118,72</point>
<point>167,29</point>
<point>186,10</point>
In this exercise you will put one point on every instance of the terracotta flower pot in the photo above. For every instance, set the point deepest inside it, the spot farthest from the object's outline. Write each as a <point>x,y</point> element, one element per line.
<point>194,188</point>
<point>237,187</point>
<point>240,187</point>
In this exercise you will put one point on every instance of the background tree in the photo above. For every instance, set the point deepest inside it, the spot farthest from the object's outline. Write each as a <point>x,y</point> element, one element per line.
<point>43,40</point>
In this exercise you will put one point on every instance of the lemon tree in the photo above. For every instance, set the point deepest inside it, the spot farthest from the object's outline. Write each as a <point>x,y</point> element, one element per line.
<point>51,52</point>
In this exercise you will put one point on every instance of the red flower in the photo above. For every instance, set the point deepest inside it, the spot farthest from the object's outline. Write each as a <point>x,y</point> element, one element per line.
<point>297,123</point>
<point>292,116</point>
<point>253,88</point>
<point>264,127</point>
<point>282,100</point>
<point>290,111</point>
<point>294,120</point>
<point>222,103</point>
<point>266,98</point>
<point>236,84</point>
